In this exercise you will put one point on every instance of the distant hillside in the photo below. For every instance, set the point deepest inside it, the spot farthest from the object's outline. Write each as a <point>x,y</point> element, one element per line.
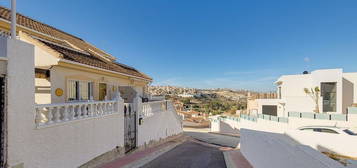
<point>173,90</point>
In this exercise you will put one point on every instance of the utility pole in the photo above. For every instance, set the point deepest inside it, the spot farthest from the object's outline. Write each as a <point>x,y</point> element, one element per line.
<point>13,19</point>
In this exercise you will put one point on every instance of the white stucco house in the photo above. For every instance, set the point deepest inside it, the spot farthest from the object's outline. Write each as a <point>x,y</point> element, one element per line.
<point>337,91</point>
<point>66,103</point>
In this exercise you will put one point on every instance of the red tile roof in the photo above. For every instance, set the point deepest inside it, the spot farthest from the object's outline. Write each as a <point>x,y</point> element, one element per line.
<point>58,43</point>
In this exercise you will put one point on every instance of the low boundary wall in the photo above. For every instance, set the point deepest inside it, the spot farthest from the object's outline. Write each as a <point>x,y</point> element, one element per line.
<point>66,135</point>
<point>271,150</point>
<point>159,125</point>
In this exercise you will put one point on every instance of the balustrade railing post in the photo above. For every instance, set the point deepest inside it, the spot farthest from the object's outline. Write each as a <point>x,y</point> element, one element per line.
<point>65,113</point>
<point>38,116</point>
<point>138,107</point>
<point>50,115</point>
<point>57,114</point>
<point>90,113</point>
<point>72,114</point>
<point>85,110</point>
<point>101,108</point>
<point>79,112</point>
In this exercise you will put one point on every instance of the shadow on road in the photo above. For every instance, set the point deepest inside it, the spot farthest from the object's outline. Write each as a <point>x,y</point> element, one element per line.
<point>190,155</point>
<point>216,139</point>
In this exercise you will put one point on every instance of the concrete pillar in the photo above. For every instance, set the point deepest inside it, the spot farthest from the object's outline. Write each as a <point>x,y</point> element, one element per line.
<point>138,107</point>
<point>21,99</point>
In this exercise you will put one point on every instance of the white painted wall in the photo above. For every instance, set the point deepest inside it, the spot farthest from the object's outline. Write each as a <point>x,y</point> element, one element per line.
<point>60,75</point>
<point>352,77</point>
<point>275,102</point>
<point>42,91</point>
<point>68,145</point>
<point>340,144</point>
<point>292,90</point>
<point>335,143</point>
<point>159,126</point>
<point>269,150</point>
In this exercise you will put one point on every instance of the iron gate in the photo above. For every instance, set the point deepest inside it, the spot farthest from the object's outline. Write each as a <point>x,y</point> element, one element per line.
<point>129,127</point>
<point>2,119</point>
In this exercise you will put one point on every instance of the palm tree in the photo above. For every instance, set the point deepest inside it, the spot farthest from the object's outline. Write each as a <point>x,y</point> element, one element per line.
<point>314,94</point>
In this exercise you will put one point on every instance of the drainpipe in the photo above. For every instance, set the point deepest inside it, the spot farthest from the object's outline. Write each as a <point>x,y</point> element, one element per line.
<point>13,19</point>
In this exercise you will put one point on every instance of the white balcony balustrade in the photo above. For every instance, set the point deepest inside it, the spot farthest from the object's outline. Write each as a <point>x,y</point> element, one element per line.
<point>50,114</point>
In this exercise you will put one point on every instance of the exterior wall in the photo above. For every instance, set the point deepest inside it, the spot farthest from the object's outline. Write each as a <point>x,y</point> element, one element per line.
<point>73,144</point>
<point>268,150</point>
<point>68,145</point>
<point>44,57</point>
<point>293,97</point>
<point>328,144</point>
<point>352,77</point>
<point>42,91</point>
<point>48,58</point>
<point>60,75</point>
<point>3,66</point>
<point>292,92</point>
<point>20,91</point>
<point>290,127</point>
<point>347,94</point>
<point>275,102</point>
<point>159,126</point>
<point>252,107</point>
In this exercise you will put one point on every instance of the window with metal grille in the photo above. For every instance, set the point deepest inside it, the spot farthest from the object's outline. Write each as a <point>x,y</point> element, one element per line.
<point>79,90</point>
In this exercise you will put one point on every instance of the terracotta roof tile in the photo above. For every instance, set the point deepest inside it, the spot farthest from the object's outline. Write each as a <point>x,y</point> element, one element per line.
<point>90,59</point>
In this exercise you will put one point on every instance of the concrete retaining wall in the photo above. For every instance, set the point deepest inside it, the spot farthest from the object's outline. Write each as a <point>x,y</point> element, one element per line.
<point>270,150</point>
<point>344,145</point>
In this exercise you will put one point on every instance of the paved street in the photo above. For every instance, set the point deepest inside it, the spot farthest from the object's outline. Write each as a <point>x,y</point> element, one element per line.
<point>203,135</point>
<point>190,155</point>
<point>196,154</point>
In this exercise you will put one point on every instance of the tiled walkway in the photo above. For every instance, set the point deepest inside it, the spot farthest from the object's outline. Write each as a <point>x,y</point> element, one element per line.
<point>134,157</point>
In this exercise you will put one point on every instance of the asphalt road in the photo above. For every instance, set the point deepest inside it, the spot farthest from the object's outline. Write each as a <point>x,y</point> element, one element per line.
<point>190,155</point>
<point>222,140</point>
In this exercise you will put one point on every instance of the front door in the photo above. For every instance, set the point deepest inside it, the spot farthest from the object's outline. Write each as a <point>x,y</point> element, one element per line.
<point>3,124</point>
<point>102,91</point>
<point>129,127</point>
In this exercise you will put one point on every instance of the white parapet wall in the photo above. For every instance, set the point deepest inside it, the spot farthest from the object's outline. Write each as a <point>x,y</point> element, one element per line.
<point>338,144</point>
<point>66,135</point>
<point>47,141</point>
<point>160,120</point>
<point>335,144</point>
<point>271,150</point>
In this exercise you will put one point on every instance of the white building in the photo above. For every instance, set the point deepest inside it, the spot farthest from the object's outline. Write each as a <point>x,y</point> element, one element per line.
<point>337,92</point>
<point>186,95</point>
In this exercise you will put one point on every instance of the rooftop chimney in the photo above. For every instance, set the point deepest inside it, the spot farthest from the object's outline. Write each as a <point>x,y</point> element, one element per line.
<point>13,19</point>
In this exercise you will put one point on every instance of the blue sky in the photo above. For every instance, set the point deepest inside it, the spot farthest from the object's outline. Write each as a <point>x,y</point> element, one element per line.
<point>210,44</point>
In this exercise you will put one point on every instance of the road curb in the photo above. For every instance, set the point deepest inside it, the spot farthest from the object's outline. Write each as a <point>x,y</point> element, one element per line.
<point>235,159</point>
<point>141,162</point>
<point>228,160</point>
<point>225,134</point>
